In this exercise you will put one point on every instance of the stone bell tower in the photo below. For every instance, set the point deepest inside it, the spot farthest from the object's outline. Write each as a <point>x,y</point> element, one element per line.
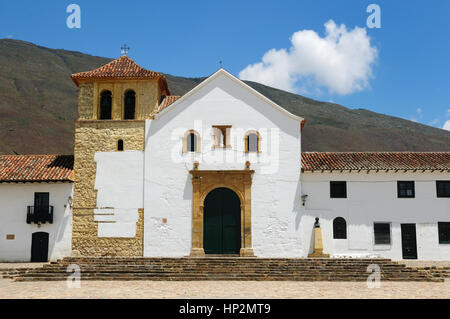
<point>113,103</point>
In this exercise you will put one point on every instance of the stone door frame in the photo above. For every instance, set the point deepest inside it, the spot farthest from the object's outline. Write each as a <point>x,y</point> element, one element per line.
<point>203,182</point>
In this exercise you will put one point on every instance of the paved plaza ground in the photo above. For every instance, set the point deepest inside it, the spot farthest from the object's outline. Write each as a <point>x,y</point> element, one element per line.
<point>222,289</point>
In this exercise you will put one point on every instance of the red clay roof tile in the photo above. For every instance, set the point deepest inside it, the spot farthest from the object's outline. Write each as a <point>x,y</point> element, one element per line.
<point>123,67</point>
<point>312,161</point>
<point>53,168</point>
<point>36,168</point>
<point>167,101</point>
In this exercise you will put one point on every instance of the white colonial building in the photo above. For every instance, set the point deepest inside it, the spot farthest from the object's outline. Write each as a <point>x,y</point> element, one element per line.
<point>35,213</point>
<point>392,205</point>
<point>216,171</point>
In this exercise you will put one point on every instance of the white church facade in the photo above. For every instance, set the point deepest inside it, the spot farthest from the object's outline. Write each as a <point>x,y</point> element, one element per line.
<point>218,171</point>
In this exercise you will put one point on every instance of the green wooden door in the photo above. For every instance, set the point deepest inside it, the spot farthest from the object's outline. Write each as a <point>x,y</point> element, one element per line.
<point>222,222</point>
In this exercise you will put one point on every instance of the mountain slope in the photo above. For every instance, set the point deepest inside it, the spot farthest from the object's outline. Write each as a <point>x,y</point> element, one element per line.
<point>38,108</point>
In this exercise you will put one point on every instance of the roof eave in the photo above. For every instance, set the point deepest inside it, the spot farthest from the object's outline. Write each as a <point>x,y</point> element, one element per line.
<point>37,181</point>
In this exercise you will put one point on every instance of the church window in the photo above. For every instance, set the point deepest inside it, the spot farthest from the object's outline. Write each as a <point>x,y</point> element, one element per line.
<point>120,145</point>
<point>222,136</point>
<point>252,142</point>
<point>191,142</point>
<point>105,105</point>
<point>339,228</point>
<point>129,105</point>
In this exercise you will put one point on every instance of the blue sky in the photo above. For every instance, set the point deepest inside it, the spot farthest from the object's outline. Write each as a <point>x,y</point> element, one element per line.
<point>409,78</point>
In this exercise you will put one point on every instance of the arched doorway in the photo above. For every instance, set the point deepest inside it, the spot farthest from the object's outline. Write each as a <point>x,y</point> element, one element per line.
<point>222,222</point>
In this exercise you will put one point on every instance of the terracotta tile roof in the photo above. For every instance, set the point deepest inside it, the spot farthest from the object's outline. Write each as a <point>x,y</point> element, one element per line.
<point>167,101</point>
<point>36,168</point>
<point>54,168</point>
<point>376,161</point>
<point>123,68</point>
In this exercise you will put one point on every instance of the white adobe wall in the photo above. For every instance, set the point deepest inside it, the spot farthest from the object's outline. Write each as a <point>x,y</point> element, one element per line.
<point>119,182</point>
<point>14,199</point>
<point>373,198</point>
<point>276,182</point>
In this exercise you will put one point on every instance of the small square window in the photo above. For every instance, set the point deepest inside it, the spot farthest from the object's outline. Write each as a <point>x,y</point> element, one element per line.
<point>443,188</point>
<point>382,232</point>
<point>338,189</point>
<point>405,189</point>
<point>222,136</point>
<point>444,232</point>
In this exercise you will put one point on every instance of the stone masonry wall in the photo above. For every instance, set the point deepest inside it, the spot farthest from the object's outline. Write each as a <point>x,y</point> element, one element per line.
<point>85,101</point>
<point>91,137</point>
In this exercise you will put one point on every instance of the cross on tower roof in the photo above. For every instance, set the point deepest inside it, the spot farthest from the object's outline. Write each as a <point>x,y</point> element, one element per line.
<point>125,49</point>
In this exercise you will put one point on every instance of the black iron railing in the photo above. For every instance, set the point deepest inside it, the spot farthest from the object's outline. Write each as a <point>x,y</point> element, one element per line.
<point>39,214</point>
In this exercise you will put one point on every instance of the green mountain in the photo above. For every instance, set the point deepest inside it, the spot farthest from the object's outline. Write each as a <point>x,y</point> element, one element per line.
<point>38,109</point>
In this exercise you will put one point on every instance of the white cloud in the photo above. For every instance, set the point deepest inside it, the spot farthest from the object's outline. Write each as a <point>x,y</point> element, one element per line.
<point>418,116</point>
<point>419,112</point>
<point>341,61</point>
<point>447,125</point>
<point>434,122</point>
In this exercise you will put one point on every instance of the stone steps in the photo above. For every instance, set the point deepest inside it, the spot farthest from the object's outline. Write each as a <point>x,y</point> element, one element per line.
<point>201,271</point>
<point>9,273</point>
<point>224,275</point>
<point>443,272</point>
<point>114,277</point>
<point>254,273</point>
<point>228,268</point>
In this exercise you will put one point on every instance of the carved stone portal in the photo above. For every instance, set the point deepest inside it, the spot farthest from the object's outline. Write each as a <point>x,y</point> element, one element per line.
<point>203,182</point>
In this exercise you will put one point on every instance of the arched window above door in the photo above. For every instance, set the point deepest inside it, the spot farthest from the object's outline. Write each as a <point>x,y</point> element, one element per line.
<point>191,142</point>
<point>252,142</point>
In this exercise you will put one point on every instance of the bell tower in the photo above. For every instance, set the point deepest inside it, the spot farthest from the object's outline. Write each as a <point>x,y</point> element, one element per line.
<point>113,103</point>
<point>116,85</point>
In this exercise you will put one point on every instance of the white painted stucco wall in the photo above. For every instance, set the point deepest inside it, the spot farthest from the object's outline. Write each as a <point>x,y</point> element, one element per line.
<point>14,199</point>
<point>373,198</point>
<point>276,181</point>
<point>119,184</point>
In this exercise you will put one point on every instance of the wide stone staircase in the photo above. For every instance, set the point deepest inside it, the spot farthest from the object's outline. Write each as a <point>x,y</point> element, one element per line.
<point>438,272</point>
<point>222,268</point>
<point>11,273</point>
